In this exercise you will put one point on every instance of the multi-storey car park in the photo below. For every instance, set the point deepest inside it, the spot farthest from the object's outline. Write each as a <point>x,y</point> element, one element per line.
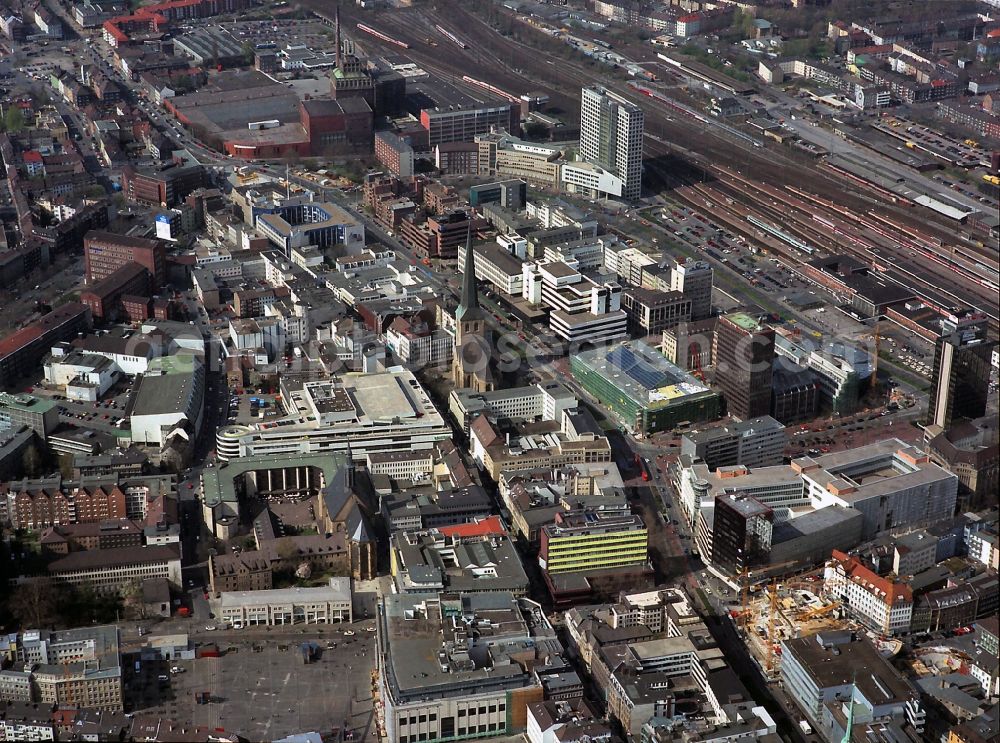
<point>353,414</point>
<point>646,392</point>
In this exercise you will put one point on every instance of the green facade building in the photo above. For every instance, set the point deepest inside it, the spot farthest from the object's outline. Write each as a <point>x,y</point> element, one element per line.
<point>648,393</point>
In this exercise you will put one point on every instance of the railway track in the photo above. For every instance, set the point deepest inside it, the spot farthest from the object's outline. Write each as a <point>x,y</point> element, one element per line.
<point>737,206</point>
<point>516,67</point>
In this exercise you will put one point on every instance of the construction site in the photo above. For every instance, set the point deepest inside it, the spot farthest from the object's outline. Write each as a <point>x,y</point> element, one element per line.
<point>783,610</point>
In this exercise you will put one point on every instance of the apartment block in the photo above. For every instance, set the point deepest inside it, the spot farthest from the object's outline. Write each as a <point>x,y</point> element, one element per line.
<point>71,668</point>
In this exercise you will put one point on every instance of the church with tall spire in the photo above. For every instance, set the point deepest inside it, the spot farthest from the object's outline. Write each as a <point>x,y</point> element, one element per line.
<point>351,77</point>
<point>473,349</point>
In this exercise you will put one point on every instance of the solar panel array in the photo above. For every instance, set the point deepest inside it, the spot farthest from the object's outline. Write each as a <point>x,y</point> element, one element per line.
<point>637,368</point>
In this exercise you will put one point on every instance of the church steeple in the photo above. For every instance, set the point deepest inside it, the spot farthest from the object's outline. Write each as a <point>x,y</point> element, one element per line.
<point>340,57</point>
<point>470,364</point>
<point>468,308</point>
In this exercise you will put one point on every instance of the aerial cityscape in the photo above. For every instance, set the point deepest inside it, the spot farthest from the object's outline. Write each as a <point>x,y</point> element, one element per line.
<point>534,371</point>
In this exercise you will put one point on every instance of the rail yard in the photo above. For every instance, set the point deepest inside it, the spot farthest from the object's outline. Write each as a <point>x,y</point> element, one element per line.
<point>737,179</point>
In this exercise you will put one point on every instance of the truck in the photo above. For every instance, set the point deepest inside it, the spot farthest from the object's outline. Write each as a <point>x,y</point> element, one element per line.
<point>805,727</point>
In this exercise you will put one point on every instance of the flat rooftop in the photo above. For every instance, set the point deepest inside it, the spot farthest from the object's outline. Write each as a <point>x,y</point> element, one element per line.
<point>429,654</point>
<point>880,467</point>
<point>735,479</point>
<point>737,428</point>
<point>26,403</point>
<point>380,397</point>
<point>236,100</point>
<point>855,661</point>
<point>434,92</point>
<point>642,373</point>
<point>427,561</point>
<point>744,322</point>
<point>504,260</point>
<point>339,590</point>
<point>745,506</point>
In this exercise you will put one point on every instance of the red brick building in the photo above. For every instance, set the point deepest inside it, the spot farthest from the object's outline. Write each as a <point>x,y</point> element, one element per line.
<point>164,309</point>
<point>106,297</point>
<point>395,153</point>
<point>327,127</point>
<point>337,125</point>
<point>39,504</point>
<point>135,308</point>
<point>162,186</point>
<point>450,231</point>
<point>106,252</point>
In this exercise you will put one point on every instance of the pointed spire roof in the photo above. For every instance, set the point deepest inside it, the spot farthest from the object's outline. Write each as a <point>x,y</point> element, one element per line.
<point>339,58</point>
<point>468,308</point>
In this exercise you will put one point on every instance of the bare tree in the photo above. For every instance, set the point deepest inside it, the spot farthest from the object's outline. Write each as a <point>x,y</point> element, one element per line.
<point>31,461</point>
<point>33,604</point>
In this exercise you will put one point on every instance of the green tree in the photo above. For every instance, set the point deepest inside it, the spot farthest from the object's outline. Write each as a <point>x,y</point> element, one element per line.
<point>132,603</point>
<point>13,120</point>
<point>183,84</point>
<point>743,24</point>
<point>535,130</point>
<point>83,605</point>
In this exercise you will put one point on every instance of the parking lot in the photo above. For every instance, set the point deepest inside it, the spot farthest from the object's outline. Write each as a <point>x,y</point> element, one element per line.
<point>104,415</point>
<point>767,274</point>
<point>261,688</point>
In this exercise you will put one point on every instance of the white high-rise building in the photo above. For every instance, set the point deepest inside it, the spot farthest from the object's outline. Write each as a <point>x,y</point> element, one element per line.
<point>694,279</point>
<point>611,137</point>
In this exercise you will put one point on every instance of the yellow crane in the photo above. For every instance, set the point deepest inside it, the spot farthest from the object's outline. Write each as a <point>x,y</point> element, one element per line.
<point>772,610</point>
<point>771,606</point>
<point>818,611</point>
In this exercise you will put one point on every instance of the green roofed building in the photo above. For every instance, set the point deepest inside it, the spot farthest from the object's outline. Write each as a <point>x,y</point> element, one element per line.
<point>639,385</point>
<point>23,409</point>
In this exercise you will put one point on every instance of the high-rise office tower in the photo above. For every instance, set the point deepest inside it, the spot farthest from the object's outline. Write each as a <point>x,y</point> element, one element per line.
<point>741,532</point>
<point>744,364</point>
<point>961,379</point>
<point>693,279</point>
<point>611,137</point>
